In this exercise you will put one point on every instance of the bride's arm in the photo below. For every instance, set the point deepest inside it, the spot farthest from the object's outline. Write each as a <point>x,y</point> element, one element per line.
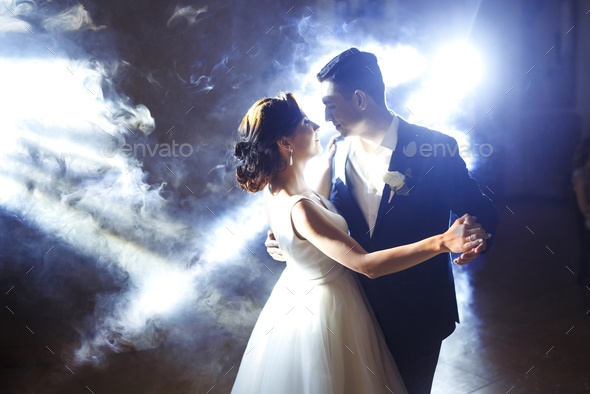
<point>325,181</point>
<point>310,223</point>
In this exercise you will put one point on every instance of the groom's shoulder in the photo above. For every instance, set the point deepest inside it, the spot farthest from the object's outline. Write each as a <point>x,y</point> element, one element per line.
<point>425,134</point>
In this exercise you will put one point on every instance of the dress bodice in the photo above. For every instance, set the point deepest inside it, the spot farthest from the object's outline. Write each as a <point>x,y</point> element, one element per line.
<point>301,255</point>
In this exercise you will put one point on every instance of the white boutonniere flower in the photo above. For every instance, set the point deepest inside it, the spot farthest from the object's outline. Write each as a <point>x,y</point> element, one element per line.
<point>396,180</point>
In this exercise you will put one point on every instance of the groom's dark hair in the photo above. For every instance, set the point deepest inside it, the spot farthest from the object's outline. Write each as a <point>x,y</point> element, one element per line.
<point>352,70</point>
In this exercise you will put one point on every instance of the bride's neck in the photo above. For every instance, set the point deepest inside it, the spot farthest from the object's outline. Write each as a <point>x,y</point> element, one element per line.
<point>290,181</point>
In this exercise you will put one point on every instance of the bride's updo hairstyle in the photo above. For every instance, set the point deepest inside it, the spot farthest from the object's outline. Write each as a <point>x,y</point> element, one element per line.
<point>256,150</point>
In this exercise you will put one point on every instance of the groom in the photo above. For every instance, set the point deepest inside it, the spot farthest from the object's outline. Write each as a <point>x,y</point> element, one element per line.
<point>416,308</point>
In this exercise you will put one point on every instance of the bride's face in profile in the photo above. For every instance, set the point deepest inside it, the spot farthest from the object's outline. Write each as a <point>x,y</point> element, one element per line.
<point>306,140</point>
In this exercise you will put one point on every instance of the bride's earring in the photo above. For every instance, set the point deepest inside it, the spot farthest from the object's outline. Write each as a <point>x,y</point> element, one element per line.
<point>291,157</point>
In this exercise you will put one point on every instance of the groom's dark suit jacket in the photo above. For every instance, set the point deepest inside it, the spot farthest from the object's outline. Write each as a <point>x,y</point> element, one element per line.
<point>415,307</point>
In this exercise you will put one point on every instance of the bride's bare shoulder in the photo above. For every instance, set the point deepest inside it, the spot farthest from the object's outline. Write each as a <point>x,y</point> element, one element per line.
<point>274,201</point>
<point>272,197</point>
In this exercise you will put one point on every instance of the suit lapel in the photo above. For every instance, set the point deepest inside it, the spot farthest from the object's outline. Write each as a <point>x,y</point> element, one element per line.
<point>397,160</point>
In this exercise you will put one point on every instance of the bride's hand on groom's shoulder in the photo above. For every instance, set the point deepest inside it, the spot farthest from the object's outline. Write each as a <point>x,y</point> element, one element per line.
<point>272,247</point>
<point>324,183</point>
<point>331,148</point>
<point>465,236</point>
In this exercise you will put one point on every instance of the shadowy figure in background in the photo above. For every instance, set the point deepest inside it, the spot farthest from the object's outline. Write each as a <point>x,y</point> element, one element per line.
<point>581,182</point>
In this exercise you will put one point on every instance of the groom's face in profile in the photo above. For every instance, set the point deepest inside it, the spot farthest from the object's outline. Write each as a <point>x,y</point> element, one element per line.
<point>340,110</point>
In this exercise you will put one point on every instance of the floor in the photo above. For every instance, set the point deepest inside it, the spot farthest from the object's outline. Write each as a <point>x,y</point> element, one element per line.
<point>525,327</point>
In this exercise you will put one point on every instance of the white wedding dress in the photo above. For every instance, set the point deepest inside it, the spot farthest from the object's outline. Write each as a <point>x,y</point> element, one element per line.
<point>316,334</point>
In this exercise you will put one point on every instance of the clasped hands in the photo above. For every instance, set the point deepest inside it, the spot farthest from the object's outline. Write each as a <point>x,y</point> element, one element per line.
<point>469,239</point>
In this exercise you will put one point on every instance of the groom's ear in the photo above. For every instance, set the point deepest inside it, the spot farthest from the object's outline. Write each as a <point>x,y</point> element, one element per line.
<point>360,99</point>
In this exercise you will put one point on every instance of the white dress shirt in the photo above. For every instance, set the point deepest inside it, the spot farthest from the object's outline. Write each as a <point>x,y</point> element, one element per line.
<point>365,171</point>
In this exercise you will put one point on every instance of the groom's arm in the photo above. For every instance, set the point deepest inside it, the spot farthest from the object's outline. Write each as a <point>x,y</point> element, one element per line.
<point>463,194</point>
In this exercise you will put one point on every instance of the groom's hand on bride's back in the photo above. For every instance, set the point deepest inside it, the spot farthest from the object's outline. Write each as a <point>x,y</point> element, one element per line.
<point>467,256</point>
<point>272,247</point>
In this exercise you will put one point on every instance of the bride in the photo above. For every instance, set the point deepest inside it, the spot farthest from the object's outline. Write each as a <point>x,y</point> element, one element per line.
<point>317,333</point>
